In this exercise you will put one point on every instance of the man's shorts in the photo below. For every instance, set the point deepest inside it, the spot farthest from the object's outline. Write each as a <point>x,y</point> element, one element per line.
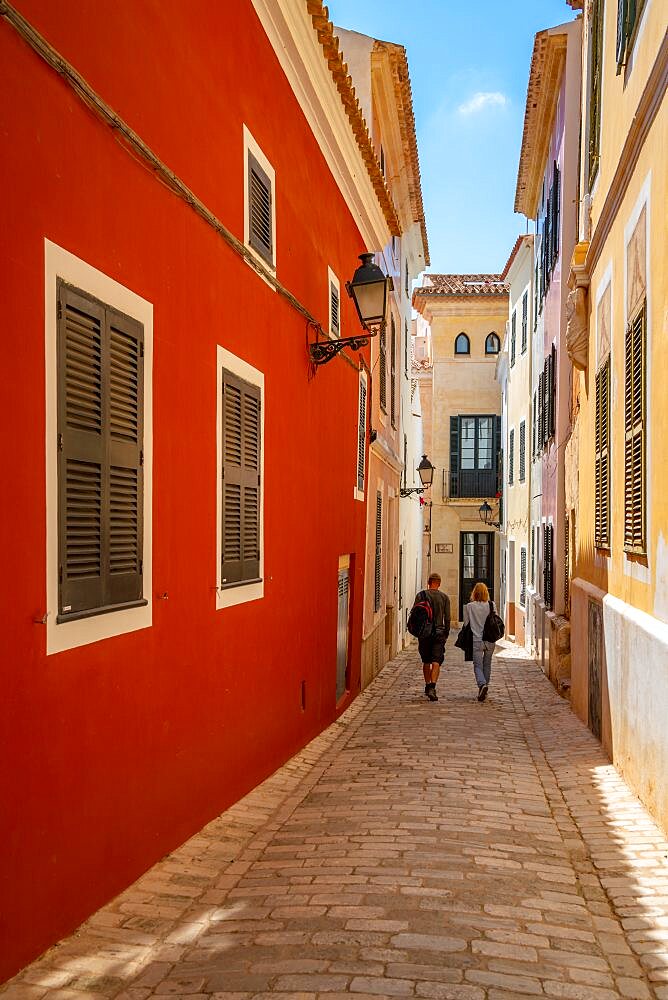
<point>432,649</point>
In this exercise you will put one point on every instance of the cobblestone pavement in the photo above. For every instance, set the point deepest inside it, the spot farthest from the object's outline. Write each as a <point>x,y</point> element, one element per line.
<point>449,850</point>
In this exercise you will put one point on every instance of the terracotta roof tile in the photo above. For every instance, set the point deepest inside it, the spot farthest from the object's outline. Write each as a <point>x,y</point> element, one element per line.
<point>463,284</point>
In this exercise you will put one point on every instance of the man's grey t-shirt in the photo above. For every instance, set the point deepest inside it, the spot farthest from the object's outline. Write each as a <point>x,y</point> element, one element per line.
<point>441,605</point>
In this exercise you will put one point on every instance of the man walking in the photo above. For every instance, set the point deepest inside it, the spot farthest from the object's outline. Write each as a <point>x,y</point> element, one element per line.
<point>432,648</point>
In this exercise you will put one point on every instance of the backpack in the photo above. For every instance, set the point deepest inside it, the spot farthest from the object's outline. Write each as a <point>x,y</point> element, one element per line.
<point>494,628</point>
<point>421,619</point>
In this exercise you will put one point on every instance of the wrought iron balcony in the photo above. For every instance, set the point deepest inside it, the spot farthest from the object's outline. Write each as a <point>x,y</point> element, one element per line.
<point>473,483</point>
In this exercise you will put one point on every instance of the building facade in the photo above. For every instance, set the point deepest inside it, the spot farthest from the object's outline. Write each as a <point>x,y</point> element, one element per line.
<point>186,587</point>
<point>547,186</point>
<point>514,371</point>
<point>380,74</point>
<point>466,314</point>
<point>616,458</point>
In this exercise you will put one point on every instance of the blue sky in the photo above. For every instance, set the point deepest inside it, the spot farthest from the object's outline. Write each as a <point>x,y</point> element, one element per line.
<point>469,65</point>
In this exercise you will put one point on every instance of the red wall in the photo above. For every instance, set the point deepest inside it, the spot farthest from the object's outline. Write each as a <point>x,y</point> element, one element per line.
<point>116,752</point>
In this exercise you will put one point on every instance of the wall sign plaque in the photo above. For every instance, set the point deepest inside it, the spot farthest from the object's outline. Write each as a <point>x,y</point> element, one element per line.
<point>446,547</point>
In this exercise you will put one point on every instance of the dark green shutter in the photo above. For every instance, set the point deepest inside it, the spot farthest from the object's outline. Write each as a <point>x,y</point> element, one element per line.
<point>241,481</point>
<point>378,554</point>
<point>634,435</point>
<point>595,82</point>
<point>556,212</point>
<point>393,373</point>
<point>361,437</point>
<point>525,320</point>
<point>454,456</point>
<point>622,16</point>
<point>100,455</point>
<point>260,222</point>
<point>523,445</point>
<point>382,365</point>
<point>513,331</point>
<point>602,458</point>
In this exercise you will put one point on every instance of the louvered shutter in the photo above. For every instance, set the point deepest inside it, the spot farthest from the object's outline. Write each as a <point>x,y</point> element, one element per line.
<point>393,373</point>
<point>533,427</point>
<point>533,557</point>
<point>523,576</point>
<point>82,449</point>
<point>546,401</point>
<point>511,457</point>
<point>513,324</point>
<point>525,320</point>
<point>541,415</point>
<point>552,385</point>
<point>260,235</point>
<point>595,88</point>
<point>634,435</point>
<point>361,436</point>
<point>406,348</point>
<point>241,480</point>
<point>497,444</point>
<point>547,567</point>
<point>100,455</point>
<point>334,309</point>
<point>602,459</point>
<point>126,466</point>
<point>454,456</point>
<point>523,445</point>
<point>556,213</point>
<point>622,9</point>
<point>547,239</point>
<point>378,554</point>
<point>382,368</point>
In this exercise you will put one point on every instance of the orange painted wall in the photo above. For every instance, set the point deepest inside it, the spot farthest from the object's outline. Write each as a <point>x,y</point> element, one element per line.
<point>116,752</point>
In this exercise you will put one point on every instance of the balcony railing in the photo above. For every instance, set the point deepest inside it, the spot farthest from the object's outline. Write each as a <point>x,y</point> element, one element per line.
<point>473,483</point>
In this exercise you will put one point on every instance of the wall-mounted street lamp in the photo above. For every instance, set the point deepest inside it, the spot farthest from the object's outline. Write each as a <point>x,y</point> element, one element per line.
<point>426,474</point>
<point>485,513</point>
<point>368,290</point>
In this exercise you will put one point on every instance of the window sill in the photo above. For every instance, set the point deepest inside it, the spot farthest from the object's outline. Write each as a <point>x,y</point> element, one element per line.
<point>230,594</point>
<point>94,612</point>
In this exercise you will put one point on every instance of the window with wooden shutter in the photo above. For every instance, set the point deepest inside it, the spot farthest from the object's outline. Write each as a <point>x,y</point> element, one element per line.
<point>523,576</point>
<point>634,434</point>
<point>595,82</point>
<point>393,372</point>
<point>548,594</point>
<point>552,392</point>
<point>334,309</point>
<point>511,456</point>
<point>541,413</point>
<point>533,426</point>
<point>602,458</point>
<point>533,556</point>
<point>100,456</point>
<point>555,204</point>
<point>523,446</point>
<point>454,456</point>
<point>525,320</point>
<point>406,348</point>
<point>378,554</point>
<point>512,337</point>
<point>260,213</point>
<point>382,367</point>
<point>628,17</point>
<point>567,564</point>
<point>361,434</point>
<point>241,497</point>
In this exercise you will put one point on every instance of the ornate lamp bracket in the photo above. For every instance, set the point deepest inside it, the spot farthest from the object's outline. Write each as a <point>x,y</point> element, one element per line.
<point>322,351</point>
<point>410,490</point>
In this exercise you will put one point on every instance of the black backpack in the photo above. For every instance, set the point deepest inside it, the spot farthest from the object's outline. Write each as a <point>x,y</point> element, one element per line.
<point>494,628</point>
<point>421,619</point>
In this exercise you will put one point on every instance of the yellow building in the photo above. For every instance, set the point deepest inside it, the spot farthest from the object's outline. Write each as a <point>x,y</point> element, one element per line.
<point>616,459</point>
<point>467,315</point>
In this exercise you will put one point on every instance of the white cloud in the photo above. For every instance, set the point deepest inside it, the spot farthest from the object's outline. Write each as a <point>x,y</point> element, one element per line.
<point>483,100</point>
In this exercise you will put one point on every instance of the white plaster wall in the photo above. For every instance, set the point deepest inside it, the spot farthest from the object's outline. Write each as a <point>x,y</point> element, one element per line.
<point>636,650</point>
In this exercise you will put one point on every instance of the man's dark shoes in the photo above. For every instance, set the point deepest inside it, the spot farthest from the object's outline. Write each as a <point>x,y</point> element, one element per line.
<point>482,692</point>
<point>430,691</point>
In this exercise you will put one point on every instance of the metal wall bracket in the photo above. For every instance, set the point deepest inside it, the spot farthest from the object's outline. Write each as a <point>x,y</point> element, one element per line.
<point>323,351</point>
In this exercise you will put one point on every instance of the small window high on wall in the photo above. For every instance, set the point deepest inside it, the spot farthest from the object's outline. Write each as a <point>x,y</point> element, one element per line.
<point>462,344</point>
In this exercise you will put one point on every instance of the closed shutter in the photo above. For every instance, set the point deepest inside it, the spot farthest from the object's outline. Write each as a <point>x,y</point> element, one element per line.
<point>602,459</point>
<point>523,444</point>
<point>533,556</point>
<point>511,456</point>
<point>622,17</point>
<point>361,436</point>
<point>241,481</point>
<point>401,576</point>
<point>523,576</point>
<point>547,567</point>
<point>556,214</point>
<point>552,392</point>
<point>525,320</point>
<point>533,426</point>
<point>512,338</point>
<point>260,235</point>
<point>406,348</point>
<point>454,456</point>
<point>634,434</point>
<point>382,367</point>
<point>100,456</point>
<point>595,88</point>
<point>547,242</point>
<point>334,309</point>
<point>567,564</point>
<point>541,414</point>
<point>379,539</point>
<point>497,438</point>
<point>393,373</point>
<point>546,401</point>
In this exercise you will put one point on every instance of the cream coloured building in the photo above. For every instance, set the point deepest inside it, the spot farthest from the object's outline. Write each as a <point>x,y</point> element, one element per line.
<point>466,315</point>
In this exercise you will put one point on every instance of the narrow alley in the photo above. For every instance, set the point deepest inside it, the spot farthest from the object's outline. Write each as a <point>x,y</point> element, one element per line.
<point>453,850</point>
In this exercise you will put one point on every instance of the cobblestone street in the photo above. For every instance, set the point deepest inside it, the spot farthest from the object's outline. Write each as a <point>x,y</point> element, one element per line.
<point>452,850</point>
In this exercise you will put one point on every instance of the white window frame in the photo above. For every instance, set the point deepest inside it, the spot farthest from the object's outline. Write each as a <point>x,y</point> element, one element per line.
<point>333,280</point>
<point>364,378</point>
<point>241,593</point>
<point>251,146</point>
<point>59,263</point>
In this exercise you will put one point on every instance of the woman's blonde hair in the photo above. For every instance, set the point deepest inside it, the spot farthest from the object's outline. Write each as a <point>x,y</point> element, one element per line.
<point>480,592</point>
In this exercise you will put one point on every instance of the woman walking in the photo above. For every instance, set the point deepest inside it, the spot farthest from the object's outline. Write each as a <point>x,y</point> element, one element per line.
<point>475,615</point>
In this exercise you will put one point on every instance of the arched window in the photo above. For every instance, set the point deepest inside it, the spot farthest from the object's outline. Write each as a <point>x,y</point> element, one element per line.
<point>492,344</point>
<point>462,344</point>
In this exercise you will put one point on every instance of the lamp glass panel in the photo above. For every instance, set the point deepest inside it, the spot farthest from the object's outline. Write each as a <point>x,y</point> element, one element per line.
<point>468,443</point>
<point>371,300</point>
